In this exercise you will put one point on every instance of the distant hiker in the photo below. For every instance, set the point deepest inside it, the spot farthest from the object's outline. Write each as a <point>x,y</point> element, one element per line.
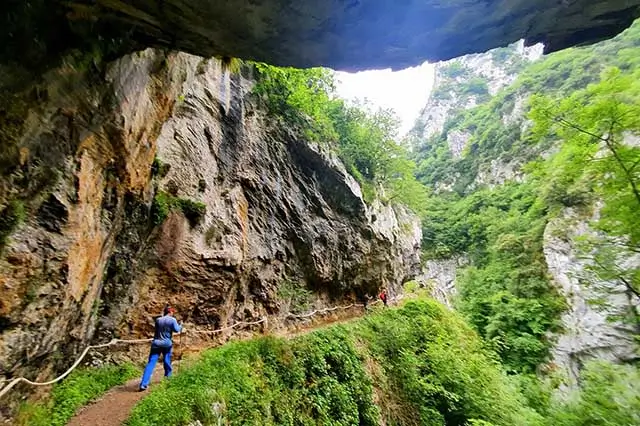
<point>383,296</point>
<point>162,344</point>
<point>365,302</point>
<point>362,296</point>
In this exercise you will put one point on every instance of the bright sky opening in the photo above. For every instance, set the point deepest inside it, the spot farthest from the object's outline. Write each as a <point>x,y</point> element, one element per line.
<point>406,91</point>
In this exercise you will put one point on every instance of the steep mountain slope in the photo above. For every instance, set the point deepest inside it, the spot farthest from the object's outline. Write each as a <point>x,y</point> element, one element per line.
<point>465,82</point>
<point>161,177</point>
<point>522,226</point>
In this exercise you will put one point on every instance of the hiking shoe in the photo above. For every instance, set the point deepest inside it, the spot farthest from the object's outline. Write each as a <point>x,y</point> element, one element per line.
<point>142,389</point>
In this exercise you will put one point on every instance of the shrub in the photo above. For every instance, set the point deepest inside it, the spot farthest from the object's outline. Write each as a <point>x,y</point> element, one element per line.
<point>317,379</point>
<point>453,69</point>
<point>160,208</point>
<point>475,86</point>
<point>294,298</point>
<point>164,203</point>
<point>193,210</point>
<point>10,218</point>
<point>233,65</point>
<point>364,140</point>
<point>609,395</point>
<point>159,168</point>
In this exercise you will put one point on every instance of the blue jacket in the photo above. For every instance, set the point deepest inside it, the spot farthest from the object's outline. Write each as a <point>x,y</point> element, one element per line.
<point>165,327</point>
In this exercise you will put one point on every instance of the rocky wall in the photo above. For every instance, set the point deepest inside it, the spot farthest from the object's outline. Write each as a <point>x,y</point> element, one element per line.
<point>96,154</point>
<point>600,321</point>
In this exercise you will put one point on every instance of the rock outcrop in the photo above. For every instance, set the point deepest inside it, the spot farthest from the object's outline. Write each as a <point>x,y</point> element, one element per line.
<point>466,82</point>
<point>439,277</point>
<point>161,179</point>
<point>601,317</point>
<point>343,35</point>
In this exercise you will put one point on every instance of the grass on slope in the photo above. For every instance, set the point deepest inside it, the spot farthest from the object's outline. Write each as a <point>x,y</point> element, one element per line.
<point>79,388</point>
<point>417,365</point>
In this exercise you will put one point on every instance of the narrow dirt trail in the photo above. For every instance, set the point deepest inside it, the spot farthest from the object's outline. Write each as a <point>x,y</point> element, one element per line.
<point>114,407</point>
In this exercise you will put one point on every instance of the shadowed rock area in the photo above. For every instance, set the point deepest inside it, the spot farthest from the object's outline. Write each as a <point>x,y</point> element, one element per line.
<point>351,35</point>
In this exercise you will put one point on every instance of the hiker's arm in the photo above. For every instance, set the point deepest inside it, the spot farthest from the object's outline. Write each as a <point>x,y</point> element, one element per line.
<point>177,328</point>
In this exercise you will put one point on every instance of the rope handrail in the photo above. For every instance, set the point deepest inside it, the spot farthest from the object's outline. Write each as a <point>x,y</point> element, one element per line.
<point>112,342</point>
<point>14,382</point>
<point>318,311</point>
<point>226,328</point>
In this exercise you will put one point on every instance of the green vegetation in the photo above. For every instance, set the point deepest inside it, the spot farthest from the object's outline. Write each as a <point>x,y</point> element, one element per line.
<point>472,86</point>
<point>164,203</point>
<point>364,140</point>
<point>159,168</point>
<point>417,365</point>
<point>75,391</point>
<point>233,65</point>
<point>556,75</point>
<point>457,80</point>
<point>294,297</point>
<point>609,395</point>
<point>10,218</point>
<point>475,86</point>
<point>598,161</point>
<point>453,69</point>
<point>506,293</point>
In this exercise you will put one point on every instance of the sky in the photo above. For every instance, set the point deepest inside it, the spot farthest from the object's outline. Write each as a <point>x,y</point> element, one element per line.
<point>405,91</point>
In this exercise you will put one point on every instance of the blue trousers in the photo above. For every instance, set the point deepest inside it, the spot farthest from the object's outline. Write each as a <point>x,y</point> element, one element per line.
<point>154,354</point>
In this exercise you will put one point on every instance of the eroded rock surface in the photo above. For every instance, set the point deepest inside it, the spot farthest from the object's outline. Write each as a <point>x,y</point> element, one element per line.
<point>599,320</point>
<point>439,277</point>
<point>90,261</point>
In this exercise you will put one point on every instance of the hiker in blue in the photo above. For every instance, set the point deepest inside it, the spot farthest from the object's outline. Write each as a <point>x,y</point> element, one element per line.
<point>165,325</point>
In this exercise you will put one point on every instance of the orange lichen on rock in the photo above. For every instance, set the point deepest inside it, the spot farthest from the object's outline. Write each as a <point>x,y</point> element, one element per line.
<point>85,253</point>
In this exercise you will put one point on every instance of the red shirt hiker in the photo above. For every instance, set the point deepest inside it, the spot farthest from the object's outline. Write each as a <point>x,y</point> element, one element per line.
<point>383,297</point>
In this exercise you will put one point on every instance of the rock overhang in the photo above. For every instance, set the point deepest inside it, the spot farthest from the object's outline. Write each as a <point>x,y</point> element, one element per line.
<point>341,34</point>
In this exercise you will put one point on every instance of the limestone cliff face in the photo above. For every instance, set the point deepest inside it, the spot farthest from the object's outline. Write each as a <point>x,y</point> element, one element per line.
<point>84,151</point>
<point>90,258</point>
<point>439,277</point>
<point>277,208</point>
<point>468,81</point>
<point>599,322</point>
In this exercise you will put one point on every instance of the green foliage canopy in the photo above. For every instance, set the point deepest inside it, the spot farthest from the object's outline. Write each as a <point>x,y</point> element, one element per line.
<point>599,159</point>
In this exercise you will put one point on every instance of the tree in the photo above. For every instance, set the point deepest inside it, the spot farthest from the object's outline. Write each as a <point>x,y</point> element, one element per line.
<point>599,126</point>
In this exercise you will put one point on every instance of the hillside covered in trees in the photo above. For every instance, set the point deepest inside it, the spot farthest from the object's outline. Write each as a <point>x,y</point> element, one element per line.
<point>575,150</point>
